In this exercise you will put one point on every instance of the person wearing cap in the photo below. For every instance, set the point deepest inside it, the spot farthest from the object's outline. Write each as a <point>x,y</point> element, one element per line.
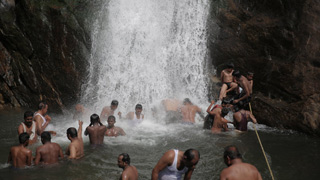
<point>110,110</point>
<point>227,81</point>
<point>136,116</point>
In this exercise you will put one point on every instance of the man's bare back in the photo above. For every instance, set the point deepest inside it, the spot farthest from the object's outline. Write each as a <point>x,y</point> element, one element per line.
<point>188,113</point>
<point>96,133</point>
<point>20,156</point>
<point>75,149</point>
<point>48,153</point>
<point>240,171</point>
<point>129,173</point>
<point>171,104</point>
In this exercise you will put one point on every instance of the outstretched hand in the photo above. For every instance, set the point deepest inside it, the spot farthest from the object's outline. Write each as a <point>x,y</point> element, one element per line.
<point>80,123</point>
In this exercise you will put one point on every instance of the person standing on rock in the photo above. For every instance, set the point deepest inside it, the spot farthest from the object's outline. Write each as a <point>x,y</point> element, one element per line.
<point>227,81</point>
<point>237,170</point>
<point>244,96</point>
<point>42,119</point>
<point>29,126</point>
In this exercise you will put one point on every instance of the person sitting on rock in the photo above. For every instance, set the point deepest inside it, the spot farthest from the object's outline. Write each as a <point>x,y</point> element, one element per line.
<point>227,81</point>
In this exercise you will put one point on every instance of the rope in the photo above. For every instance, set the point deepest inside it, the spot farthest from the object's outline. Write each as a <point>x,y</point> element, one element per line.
<point>254,126</point>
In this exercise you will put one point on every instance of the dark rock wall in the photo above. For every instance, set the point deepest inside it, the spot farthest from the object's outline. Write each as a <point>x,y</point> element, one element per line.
<point>44,47</point>
<point>279,41</point>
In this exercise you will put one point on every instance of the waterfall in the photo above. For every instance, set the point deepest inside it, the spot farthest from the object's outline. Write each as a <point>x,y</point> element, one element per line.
<point>148,50</point>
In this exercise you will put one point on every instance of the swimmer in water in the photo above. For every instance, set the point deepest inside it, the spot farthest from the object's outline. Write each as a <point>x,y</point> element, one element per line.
<point>110,110</point>
<point>75,149</point>
<point>49,152</point>
<point>136,116</point>
<point>188,111</point>
<point>42,119</point>
<point>113,130</point>
<point>29,126</point>
<point>95,130</point>
<point>129,172</point>
<point>19,155</point>
<point>171,107</point>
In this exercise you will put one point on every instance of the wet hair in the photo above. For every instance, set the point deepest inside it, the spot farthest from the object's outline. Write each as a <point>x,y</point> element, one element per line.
<point>190,154</point>
<point>187,100</point>
<point>114,102</point>
<point>236,74</point>
<point>46,136</point>
<point>250,73</point>
<point>125,158</point>
<point>42,105</point>
<point>112,117</point>
<point>138,106</point>
<point>232,152</point>
<point>27,114</point>
<point>72,132</point>
<point>230,65</point>
<point>23,137</point>
<point>226,101</point>
<point>224,111</point>
<point>94,118</point>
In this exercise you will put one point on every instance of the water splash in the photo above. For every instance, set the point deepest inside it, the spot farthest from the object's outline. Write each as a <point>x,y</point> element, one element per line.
<point>148,50</point>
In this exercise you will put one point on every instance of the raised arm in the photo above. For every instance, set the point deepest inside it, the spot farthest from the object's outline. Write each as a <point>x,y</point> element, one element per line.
<point>210,106</point>
<point>80,130</point>
<point>165,160</point>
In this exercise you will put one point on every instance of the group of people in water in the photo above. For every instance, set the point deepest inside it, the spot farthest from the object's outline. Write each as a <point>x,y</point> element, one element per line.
<point>235,94</point>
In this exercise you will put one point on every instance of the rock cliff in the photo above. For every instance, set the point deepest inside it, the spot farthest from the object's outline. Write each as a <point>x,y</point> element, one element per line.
<point>278,41</point>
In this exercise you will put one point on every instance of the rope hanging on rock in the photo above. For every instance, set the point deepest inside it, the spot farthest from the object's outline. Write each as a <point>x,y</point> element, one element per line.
<point>254,126</point>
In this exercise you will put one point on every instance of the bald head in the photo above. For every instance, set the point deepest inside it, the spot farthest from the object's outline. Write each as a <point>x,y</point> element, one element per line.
<point>232,152</point>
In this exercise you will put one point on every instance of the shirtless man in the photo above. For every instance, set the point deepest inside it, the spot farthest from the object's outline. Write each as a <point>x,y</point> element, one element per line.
<point>29,126</point>
<point>219,122</point>
<point>188,111</point>
<point>237,170</point>
<point>227,81</point>
<point>20,155</point>
<point>245,95</point>
<point>49,152</point>
<point>129,172</point>
<point>174,163</point>
<point>137,117</point>
<point>112,130</point>
<point>42,119</point>
<point>110,110</point>
<point>95,130</point>
<point>241,119</point>
<point>80,112</point>
<point>75,149</point>
<point>250,78</point>
<point>208,122</point>
<point>171,107</point>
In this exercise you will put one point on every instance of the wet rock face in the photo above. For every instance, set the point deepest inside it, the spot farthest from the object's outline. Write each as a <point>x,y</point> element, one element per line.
<point>44,47</point>
<point>278,41</point>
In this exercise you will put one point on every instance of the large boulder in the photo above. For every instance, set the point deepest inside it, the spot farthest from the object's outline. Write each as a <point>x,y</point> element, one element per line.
<point>44,51</point>
<point>278,41</point>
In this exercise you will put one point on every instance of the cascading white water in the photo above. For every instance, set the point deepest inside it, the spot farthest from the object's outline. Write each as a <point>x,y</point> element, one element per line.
<point>148,50</point>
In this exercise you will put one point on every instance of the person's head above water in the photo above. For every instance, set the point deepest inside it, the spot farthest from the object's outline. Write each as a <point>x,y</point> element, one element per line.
<point>28,118</point>
<point>230,65</point>
<point>94,118</point>
<point>43,107</point>
<point>45,137</point>
<point>111,121</point>
<point>230,153</point>
<point>224,111</point>
<point>138,109</point>
<point>123,160</point>
<point>24,138</point>
<point>114,104</point>
<point>191,157</point>
<point>72,132</point>
<point>187,101</point>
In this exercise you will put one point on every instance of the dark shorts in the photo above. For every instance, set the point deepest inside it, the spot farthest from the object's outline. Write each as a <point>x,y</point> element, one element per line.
<point>228,84</point>
<point>243,104</point>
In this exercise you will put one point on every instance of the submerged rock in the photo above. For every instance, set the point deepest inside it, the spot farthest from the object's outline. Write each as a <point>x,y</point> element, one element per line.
<point>277,40</point>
